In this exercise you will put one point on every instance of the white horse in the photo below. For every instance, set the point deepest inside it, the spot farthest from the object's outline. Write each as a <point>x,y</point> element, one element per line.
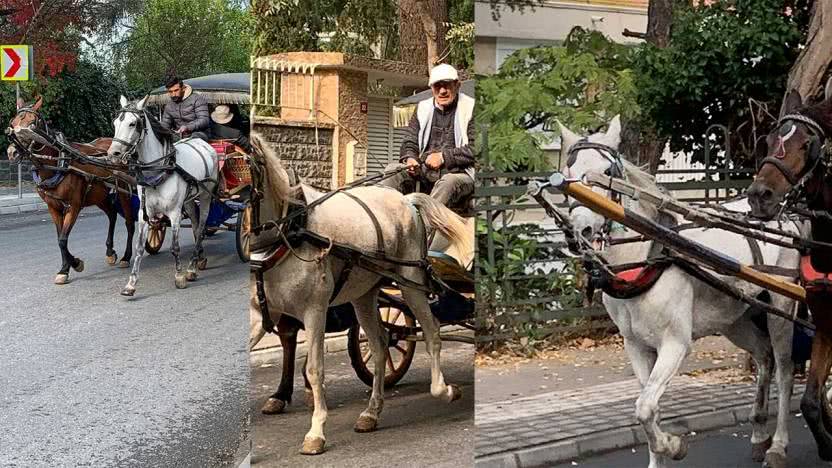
<point>302,283</point>
<point>660,326</point>
<point>138,136</point>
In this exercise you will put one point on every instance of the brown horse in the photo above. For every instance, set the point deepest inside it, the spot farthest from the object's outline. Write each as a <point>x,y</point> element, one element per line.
<point>795,168</point>
<point>67,191</point>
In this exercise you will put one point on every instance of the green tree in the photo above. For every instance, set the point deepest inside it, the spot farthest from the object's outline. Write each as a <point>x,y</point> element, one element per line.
<point>583,83</point>
<point>718,57</point>
<point>188,37</point>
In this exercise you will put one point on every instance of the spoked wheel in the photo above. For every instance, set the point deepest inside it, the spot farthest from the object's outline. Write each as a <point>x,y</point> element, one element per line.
<point>399,352</point>
<point>155,238</point>
<point>243,234</point>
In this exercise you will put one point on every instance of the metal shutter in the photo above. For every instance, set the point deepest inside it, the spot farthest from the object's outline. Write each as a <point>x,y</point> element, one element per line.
<point>380,142</point>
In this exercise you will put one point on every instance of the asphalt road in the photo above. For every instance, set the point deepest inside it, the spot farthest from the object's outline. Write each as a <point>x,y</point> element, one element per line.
<point>723,448</point>
<point>88,377</point>
<point>415,430</point>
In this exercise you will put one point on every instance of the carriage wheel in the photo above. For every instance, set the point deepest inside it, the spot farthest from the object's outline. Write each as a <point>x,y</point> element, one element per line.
<point>399,352</point>
<point>243,234</point>
<point>155,239</point>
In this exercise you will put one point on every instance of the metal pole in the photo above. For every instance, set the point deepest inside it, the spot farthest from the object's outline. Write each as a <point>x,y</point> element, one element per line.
<point>19,162</point>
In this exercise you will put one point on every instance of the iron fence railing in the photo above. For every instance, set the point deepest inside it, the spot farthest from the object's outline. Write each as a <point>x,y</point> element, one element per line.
<point>526,286</point>
<point>15,179</point>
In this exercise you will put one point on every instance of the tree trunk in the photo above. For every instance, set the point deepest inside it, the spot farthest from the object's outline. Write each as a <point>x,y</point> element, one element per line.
<point>809,71</point>
<point>422,29</point>
<point>639,142</point>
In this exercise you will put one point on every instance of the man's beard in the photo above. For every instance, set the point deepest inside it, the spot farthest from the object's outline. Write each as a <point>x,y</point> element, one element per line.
<point>176,98</point>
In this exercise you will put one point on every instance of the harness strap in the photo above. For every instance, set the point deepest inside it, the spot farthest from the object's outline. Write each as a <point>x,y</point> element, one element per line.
<point>376,224</point>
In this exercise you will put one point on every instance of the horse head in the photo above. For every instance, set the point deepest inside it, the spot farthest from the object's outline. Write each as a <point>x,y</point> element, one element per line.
<point>790,155</point>
<point>130,129</point>
<point>25,122</point>
<point>594,153</point>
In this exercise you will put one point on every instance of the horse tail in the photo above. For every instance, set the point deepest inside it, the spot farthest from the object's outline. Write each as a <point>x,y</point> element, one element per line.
<point>439,217</point>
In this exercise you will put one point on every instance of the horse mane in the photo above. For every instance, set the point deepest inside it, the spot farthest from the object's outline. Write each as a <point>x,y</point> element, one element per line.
<point>278,178</point>
<point>643,179</point>
<point>820,113</point>
<point>162,134</point>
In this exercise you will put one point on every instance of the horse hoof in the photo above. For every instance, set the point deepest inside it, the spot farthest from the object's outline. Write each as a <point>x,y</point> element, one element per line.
<point>682,451</point>
<point>181,282</point>
<point>124,264</point>
<point>62,278</point>
<point>454,393</point>
<point>80,267</point>
<point>365,424</point>
<point>128,291</point>
<point>774,460</point>
<point>758,450</point>
<point>273,406</point>
<point>190,276</point>
<point>202,263</point>
<point>111,259</point>
<point>313,446</point>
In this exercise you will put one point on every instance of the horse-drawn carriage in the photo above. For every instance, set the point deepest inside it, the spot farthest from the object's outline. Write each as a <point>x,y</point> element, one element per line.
<point>230,210</point>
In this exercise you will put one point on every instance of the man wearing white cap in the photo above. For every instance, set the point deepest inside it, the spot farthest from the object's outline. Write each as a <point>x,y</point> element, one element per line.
<point>439,136</point>
<point>228,124</point>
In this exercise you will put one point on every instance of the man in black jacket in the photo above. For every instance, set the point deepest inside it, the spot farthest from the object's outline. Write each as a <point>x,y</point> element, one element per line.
<point>187,114</point>
<point>228,124</point>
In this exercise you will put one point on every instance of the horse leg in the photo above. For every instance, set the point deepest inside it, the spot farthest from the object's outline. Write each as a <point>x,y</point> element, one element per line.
<point>175,226</point>
<point>193,213</point>
<point>366,311</point>
<point>781,334</point>
<point>288,334</point>
<point>671,353</point>
<point>814,404</point>
<point>418,303</point>
<point>130,288</point>
<point>642,359</point>
<point>57,214</point>
<point>745,334</point>
<point>130,223</point>
<point>107,207</point>
<point>63,240</point>
<point>198,260</point>
<point>314,321</point>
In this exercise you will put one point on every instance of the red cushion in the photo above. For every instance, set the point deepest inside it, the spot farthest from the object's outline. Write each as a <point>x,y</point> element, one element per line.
<point>808,273</point>
<point>629,275</point>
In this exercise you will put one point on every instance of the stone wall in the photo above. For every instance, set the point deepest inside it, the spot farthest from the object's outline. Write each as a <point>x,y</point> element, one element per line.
<point>296,145</point>
<point>352,91</point>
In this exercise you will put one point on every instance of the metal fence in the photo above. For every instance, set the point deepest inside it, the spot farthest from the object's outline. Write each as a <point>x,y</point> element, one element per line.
<point>15,179</point>
<point>527,288</point>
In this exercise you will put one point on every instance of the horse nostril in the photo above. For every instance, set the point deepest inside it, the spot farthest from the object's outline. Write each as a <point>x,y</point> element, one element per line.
<point>766,194</point>
<point>586,232</point>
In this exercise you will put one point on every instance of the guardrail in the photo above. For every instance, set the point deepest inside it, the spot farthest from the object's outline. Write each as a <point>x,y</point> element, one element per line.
<point>15,179</point>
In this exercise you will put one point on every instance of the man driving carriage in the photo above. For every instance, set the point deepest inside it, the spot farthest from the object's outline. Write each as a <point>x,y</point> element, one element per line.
<point>437,146</point>
<point>187,114</point>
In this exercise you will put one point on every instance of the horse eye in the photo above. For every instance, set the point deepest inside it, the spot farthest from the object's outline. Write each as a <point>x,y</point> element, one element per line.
<point>133,124</point>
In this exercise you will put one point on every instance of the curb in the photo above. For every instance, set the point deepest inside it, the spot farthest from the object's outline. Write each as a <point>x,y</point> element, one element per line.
<point>273,355</point>
<point>333,343</point>
<point>14,205</point>
<point>622,437</point>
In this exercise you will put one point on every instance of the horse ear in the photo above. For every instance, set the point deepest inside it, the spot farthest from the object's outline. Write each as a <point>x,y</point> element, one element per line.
<point>38,103</point>
<point>827,90</point>
<point>793,101</point>
<point>123,101</point>
<point>140,104</point>
<point>613,135</point>
<point>20,103</point>
<point>568,137</point>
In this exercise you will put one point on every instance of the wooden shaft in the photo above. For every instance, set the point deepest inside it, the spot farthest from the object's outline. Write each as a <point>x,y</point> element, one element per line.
<point>721,263</point>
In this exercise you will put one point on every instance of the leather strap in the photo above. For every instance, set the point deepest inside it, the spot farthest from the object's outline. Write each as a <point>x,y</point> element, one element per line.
<point>376,224</point>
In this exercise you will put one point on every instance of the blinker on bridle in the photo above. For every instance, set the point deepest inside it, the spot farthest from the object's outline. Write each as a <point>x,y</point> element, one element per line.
<point>777,160</point>
<point>616,169</point>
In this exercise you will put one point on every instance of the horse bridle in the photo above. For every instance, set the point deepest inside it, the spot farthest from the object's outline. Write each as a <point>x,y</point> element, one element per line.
<point>615,171</point>
<point>132,146</point>
<point>818,135</point>
<point>39,120</point>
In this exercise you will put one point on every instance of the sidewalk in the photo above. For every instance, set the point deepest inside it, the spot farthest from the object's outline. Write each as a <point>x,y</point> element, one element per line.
<point>549,427</point>
<point>11,204</point>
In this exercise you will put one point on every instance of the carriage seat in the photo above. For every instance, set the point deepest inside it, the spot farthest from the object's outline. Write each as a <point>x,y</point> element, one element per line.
<point>449,270</point>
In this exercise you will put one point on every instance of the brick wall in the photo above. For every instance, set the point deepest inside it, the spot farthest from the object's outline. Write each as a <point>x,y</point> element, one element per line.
<point>296,145</point>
